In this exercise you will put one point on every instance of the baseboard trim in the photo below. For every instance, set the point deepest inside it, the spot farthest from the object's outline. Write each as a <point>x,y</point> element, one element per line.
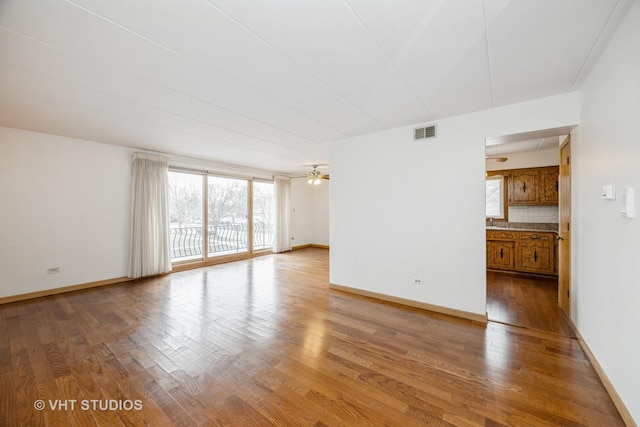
<point>309,245</point>
<point>415,304</point>
<point>55,291</point>
<point>617,400</point>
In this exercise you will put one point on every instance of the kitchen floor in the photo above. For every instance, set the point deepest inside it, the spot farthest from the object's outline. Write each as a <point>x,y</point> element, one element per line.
<point>526,301</point>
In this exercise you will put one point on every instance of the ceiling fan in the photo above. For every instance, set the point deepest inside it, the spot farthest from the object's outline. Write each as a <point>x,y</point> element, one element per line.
<point>315,177</point>
<point>495,159</point>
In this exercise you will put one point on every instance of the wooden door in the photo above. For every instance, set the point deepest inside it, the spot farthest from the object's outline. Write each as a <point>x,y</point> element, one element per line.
<point>564,229</point>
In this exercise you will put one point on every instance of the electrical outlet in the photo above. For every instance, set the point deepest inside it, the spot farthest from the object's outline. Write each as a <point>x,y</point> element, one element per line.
<point>417,281</point>
<point>53,270</point>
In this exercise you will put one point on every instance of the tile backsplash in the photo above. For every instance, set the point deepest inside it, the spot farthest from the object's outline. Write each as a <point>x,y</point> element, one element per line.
<point>548,214</point>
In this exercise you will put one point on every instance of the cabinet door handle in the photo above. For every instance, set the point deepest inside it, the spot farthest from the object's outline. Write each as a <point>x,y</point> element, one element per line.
<point>524,187</point>
<point>501,254</point>
<point>535,256</point>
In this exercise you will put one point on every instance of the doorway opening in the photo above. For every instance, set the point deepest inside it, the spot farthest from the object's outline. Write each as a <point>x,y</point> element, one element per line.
<point>522,291</point>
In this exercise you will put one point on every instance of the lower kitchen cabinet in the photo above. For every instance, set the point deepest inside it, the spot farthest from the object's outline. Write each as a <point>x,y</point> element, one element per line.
<point>535,257</point>
<point>522,251</point>
<point>500,255</point>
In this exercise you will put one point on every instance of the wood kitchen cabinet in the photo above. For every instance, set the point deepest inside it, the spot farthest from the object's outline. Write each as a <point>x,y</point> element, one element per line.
<point>533,186</point>
<point>548,178</point>
<point>535,253</point>
<point>523,186</point>
<point>501,255</point>
<point>522,251</point>
<point>501,249</point>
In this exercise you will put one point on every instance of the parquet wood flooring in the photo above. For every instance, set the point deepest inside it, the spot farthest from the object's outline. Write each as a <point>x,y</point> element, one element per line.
<point>265,342</point>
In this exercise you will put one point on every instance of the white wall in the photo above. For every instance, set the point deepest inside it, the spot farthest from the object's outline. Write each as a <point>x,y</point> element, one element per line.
<point>64,203</point>
<point>606,247</point>
<point>400,210</point>
<point>310,212</point>
<point>301,212</point>
<point>321,213</point>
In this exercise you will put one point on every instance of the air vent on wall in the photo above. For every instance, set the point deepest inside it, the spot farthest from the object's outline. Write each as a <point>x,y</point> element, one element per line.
<point>425,133</point>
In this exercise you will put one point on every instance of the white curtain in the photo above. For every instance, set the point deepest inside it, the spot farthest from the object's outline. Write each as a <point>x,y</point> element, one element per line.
<point>149,251</point>
<point>282,238</point>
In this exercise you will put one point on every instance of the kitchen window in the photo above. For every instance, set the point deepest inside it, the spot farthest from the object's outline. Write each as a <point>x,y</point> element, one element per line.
<point>495,197</point>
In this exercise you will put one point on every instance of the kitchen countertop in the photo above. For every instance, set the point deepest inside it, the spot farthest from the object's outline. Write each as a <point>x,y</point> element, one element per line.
<point>520,229</point>
<point>522,226</point>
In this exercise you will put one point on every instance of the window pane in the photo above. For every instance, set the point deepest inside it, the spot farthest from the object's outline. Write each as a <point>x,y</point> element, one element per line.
<point>494,200</point>
<point>262,215</point>
<point>227,215</point>
<point>185,213</point>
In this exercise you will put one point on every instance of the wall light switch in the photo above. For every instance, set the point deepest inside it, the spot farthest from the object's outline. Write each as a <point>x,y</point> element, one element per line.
<point>609,192</point>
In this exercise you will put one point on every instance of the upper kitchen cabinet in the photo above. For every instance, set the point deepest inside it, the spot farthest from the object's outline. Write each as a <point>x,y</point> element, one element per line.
<point>549,185</point>
<point>533,186</point>
<point>523,187</point>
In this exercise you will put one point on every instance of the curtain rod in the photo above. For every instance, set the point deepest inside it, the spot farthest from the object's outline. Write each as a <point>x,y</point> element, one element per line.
<point>174,158</point>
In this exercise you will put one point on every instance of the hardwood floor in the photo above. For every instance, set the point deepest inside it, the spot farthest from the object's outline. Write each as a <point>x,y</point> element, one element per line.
<point>265,342</point>
<point>526,301</point>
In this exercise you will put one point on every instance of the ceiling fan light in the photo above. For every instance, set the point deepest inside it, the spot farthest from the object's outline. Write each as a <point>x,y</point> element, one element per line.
<point>314,177</point>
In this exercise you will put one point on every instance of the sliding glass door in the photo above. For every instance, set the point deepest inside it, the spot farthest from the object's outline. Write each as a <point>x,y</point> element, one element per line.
<point>185,216</point>
<point>227,215</point>
<point>210,216</point>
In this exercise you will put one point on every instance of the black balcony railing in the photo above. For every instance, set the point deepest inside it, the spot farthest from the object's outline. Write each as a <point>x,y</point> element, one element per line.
<point>262,236</point>
<point>186,242</point>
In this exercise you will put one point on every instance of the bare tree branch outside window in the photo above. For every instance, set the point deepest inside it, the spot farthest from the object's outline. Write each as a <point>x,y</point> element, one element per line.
<point>494,200</point>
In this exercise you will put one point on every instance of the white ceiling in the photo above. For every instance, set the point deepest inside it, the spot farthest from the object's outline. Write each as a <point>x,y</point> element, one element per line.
<point>543,139</point>
<point>531,145</point>
<point>268,84</point>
